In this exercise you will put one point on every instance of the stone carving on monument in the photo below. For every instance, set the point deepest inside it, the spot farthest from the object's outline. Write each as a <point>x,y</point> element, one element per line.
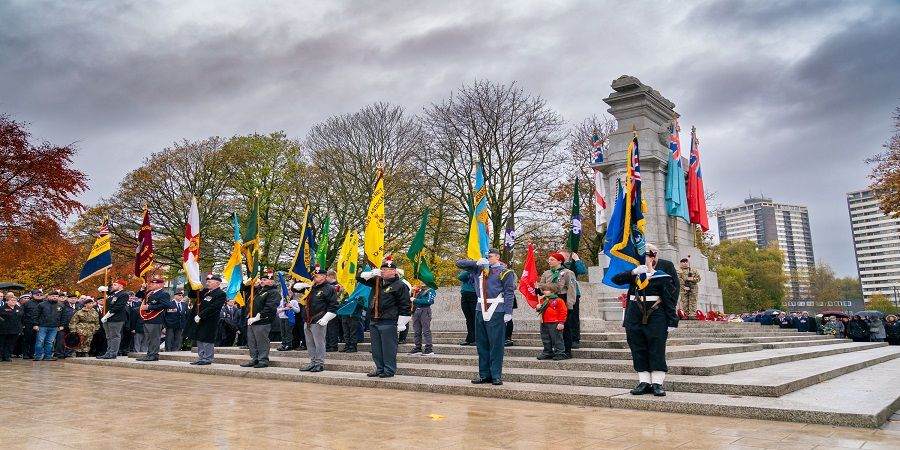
<point>633,104</point>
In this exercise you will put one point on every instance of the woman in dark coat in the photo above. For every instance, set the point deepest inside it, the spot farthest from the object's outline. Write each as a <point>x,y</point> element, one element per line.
<point>858,329</point>
<point>10,326</point>
<point>892,329</point>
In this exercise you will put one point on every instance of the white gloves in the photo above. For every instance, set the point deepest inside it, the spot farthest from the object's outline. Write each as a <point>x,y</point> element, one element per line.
<point>483,263</point>
<point>253,319</point>
<point>402,321</point>
<point>196,319</point>
<point>370,274</point>
<point>299,286</point>
<point>102,288</point>
<point>376,272</point>
<point>507,318</point>
<point>326,318</point>
<point>671,329</point>
<point>640,270</point>
<point>106,317</point>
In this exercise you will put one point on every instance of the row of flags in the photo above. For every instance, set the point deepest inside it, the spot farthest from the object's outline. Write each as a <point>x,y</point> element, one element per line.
<point>685,200</point>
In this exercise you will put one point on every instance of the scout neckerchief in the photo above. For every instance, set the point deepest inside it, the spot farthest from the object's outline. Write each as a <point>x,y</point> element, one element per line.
<point>547,299</point>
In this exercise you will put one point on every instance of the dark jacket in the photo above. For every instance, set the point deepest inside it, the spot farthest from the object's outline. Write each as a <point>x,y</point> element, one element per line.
<point>389,300</point>
<point>159,301</point>
<point>66,314</point>
<point>805,324</point>
<point>893,331</point>
<point>858,330</point>
<point>665,285</point>
<point>11,320</point>
<point>134,322</point>
<point>29,312</point>
<point>49,314</point>
<point>176,316</point>
<point>210,308</point>
<point>266,304</point>
<point>117,304</point>
<point>322,299</point>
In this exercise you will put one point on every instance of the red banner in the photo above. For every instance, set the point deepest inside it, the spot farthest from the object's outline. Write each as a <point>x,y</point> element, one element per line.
<point>529,278</point>
<point>143,259</point>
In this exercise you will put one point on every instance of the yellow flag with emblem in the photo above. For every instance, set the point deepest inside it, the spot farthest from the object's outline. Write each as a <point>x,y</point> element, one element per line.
<point>348,257</point>
<point>374,233</point>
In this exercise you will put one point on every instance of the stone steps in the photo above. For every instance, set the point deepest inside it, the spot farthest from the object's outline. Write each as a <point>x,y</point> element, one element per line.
<point>862,398</point>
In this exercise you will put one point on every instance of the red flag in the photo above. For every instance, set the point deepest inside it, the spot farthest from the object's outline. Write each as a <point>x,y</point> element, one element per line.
<point>529,278</point>
<point>143,259</point>
<point>696,197</point>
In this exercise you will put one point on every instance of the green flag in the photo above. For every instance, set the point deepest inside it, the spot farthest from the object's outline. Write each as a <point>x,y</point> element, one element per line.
<point>251,239</point>
<point>575,230</point>
<point>416,255</point>
<point>322,251</point>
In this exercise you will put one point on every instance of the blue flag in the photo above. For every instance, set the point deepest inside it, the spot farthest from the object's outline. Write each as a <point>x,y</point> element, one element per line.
<point>305,256</point>
<point>676,192</point>
<point>624,242</point>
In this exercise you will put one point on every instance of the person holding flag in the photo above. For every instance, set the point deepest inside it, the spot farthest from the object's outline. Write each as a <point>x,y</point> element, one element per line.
<point>113,320</point>
<point>320,308</point>
<point>265,304</point>
<point>207,319</point>
<point>389,312</point>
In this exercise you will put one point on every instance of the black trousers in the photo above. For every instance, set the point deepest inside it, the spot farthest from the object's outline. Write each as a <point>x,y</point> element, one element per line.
<point>332,334</point>
<point>28,338</point>
<point>7,342</point>
<point>350,326</point>
<point>575,323</point>
<point>648,343</point>
<point>567,331</point>
<point>467,304</point>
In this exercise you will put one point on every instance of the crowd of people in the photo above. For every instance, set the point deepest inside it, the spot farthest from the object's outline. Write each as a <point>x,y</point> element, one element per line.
<point>863,327</point>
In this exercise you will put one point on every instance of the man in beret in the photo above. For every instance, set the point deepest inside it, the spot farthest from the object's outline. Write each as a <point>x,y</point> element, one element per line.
<point>153,311</point>
<point>389,311</point>
<point>265,307</point>
<point>207,320</point>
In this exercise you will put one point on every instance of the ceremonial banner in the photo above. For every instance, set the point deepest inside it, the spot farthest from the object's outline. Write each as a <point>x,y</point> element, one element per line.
<point>528,278</point>
<point>251,240</point>
<point>322,250</point>
<point>696,197</point>
<point>305,256</point>
<point>416,255</point>
<point>599,183</point>
<point>676,197</point>
<point>624,243</point>
<point>190,256</point>
<point>100,257</point>
<point>348,257</point>
<point>575,230</point>
<point>233,276</point>
<point>477,245</point>
<point>143,259</point>
<point>373,239</point>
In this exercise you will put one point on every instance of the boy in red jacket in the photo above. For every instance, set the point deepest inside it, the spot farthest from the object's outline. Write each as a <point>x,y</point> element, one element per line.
<point>553,313</point>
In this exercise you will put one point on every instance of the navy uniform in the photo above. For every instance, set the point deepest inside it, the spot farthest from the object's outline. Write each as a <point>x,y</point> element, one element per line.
<point>156,301</point>
<point>207,322</point>
<point>649,314</point>
<point>319,311</point>
<point>176,321</point>
<point>389,312</point>
<point>114,316</point>
<point>265,307</point>
<point>495,286</point>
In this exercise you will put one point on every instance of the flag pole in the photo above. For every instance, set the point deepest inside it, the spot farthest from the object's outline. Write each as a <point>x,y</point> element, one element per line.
<point>105,283</point>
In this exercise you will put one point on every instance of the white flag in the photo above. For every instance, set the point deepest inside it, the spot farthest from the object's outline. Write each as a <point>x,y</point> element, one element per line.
<point>190,257</point>
<point>599,200</point>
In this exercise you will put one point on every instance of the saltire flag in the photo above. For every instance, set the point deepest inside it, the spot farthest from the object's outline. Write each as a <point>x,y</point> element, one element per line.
<point>348,258</point>
<point>416,255</point>
<point>305,255</point>
<point>478,242</point>
<point>575,230</point>
<point>190,256</point>
<point>322,250</point>
<point>373,239</point>
<point>100,258</point>
<point>696,197</point>
<point>251,240</point>
<point>233,275</point>
<point>528,278</point>
<point>143,258</point>
<point>624,242</point>
<point>599,183</point>
<point>676,197</point>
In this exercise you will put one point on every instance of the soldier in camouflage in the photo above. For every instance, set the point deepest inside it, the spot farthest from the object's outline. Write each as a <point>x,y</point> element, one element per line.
<point>689,278</point>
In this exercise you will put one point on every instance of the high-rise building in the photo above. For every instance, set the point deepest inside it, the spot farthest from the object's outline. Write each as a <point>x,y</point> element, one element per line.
<point>876,241</point>
<point>768,223</point>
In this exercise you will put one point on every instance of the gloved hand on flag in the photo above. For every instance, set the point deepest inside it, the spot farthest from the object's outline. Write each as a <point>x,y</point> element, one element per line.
<point>507,318</point>
<point>299,286</point>
<point>402,321</point>
<point>326,318</point>
<point>106,317</point>
<point>483,263</point>
<point>253,319</point>
<point>102,288</point>
<point>196,319</point>
<point>640,270</point>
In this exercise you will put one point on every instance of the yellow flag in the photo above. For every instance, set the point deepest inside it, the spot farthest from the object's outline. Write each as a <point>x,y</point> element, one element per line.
<point>348,257</point>
<point>473,246</point>
<point>374,237</point>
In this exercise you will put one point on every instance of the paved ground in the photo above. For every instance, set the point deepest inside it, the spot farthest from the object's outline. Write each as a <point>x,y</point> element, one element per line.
<point>57,405</point>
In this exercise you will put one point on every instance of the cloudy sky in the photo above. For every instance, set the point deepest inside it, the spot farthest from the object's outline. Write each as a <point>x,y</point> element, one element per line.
<point>789,98</point>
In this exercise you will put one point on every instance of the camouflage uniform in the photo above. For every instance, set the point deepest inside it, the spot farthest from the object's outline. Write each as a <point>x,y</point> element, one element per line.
<point>85,323</point>
<point>689,289</point>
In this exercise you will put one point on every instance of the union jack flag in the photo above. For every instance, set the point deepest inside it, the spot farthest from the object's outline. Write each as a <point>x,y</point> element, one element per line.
<point>675,141</point>
<point>104,229</point>
<point>597,143</point>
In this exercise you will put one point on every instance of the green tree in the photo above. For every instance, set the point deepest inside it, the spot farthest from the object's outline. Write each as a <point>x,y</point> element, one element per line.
<point>823,285</point>
<point>881,302</point>
<point>751,278</point>
<point>850,288</point>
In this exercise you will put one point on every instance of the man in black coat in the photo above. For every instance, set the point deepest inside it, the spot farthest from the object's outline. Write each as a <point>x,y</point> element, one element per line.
<point>29,310</point>
<point>153,311</point>
<point>265,306</point>
<point>69,306</point>
<point>46,325</point>
<point>207,320</point>
<point>176,319</point>
<point>649,314</point>
<point>320,309</point>
<point>389,312</point>
<point>114,318</point>
<point>10,326</point>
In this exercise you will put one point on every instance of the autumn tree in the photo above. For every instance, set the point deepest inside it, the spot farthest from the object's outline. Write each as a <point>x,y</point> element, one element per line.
<point>886,171</point>
<point>39,254</point>
<point>751,278</point>
<point>881,302</point>
<point>36,179</point>
<point>823,285</point>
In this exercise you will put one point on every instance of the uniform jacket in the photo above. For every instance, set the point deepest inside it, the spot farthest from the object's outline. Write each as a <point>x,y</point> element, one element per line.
<point>159,301</point>
<point>322,299</point>
<point>85,322</point>
<point>684,273</point>
<point>176,316</point>
<point>393,298</point>
<point>565,284</point>
<point>664,283</point>
<point>579,269</point>
<point>266,304</point>
<point>11,320</point>
<point>66,314</point>
<point>117,304</point>
<point>29,312</point>
<point>500,281</point>
<point>210,311</point>
<point>555,310</point>
<point>49,314</point>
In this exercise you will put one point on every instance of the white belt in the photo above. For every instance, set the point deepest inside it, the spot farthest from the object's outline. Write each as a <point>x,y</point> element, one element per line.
<point>649,298</point>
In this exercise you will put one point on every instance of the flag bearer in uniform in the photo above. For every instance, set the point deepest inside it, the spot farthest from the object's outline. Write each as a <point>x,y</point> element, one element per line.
<point>388,313</point>
<point>207,319</point>
<point>265,306</point>
<point>114,318</point>
<point>153,312</point>
<point>649,315</point>
<point>321,308</point>
<point>495,286</point>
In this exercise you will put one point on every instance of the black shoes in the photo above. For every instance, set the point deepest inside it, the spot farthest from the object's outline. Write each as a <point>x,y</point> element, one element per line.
<point>509,343</point>
<point>576,344</point>
<point>201,363</point>
<point>317,368</point>
<point>282,349</point>
<point>260,366</point>
<point>561,357</point>
<point>146,359</point>
<point>385,375</point>
<point>249,364</point>
<point>642,388</point>
<point>374,373</point>
<point>415,351</point>
<point>544,357</point>
<point>466,343</point>
<point>349,350</point>
<point>497,382</point>
<point>308,368</point>
<point>480,380</point>
<point>657,390</point>
<point>194,363</point>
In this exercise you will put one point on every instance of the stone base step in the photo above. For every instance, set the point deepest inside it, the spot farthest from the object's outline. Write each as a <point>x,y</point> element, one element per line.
<point>863,398</point>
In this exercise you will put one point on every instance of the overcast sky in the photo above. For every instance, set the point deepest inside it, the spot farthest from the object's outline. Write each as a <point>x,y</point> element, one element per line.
<point>789,98</point>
